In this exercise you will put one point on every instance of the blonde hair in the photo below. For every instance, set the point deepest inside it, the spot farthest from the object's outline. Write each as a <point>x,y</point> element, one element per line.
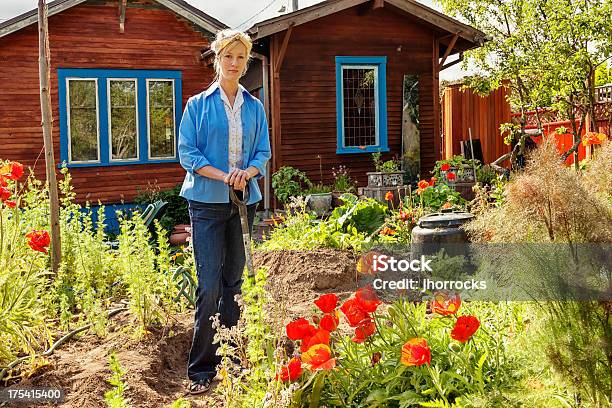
<point>224,39</point>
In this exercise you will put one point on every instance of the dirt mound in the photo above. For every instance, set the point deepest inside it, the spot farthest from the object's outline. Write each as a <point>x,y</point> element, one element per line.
<point>299,277</point>
<point>156,366</point>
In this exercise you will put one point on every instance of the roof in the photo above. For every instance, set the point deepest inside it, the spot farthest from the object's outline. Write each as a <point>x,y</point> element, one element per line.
<point>469,36</point>
<point>180,7</point>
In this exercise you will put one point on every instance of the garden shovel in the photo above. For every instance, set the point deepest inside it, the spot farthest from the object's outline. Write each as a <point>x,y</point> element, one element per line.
<point>244,221</point>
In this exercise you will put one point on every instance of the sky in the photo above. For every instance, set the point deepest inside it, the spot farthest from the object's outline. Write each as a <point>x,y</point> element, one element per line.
<point>239,14</point>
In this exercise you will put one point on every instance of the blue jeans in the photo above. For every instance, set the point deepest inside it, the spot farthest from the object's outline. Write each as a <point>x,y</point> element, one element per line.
<point>216,237</point>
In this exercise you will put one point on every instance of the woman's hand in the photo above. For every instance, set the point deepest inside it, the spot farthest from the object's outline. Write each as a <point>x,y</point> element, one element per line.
<point>237,179</point>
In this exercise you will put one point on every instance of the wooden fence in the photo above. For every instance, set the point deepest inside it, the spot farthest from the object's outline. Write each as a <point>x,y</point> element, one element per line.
<point>465,110</point>
<point>462,110</point>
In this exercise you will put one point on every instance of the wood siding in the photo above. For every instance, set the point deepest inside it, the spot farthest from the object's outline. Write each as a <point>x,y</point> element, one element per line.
<point>87,36</point>
<point>306,88</point>
<point>463,110</point>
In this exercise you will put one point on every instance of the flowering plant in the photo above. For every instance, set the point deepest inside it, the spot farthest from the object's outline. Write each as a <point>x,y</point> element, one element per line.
<point>342,180</point>
<point>403,353</point>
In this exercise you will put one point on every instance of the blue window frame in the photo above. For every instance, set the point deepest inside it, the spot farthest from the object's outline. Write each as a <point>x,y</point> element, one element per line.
<point>118,116</point>
<point>361,104</point>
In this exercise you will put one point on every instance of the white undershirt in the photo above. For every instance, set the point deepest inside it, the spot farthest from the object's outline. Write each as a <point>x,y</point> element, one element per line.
<point>235,128</point>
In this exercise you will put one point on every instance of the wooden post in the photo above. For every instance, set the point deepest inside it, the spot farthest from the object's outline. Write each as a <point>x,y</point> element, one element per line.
<point>47,128</point>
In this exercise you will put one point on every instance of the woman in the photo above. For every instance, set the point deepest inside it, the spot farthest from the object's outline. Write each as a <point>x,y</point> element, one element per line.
<point>223,144</point>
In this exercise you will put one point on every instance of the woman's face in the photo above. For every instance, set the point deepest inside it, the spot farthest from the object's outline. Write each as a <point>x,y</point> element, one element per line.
<point>233,61</point>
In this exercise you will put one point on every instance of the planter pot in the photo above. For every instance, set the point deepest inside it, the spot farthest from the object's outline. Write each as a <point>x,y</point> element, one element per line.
<point>383,179</point>
<point>319,203</point>
<point>464,174</point>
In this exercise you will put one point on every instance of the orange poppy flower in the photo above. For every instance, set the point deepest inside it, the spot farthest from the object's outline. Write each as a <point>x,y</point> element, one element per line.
<point>404,216</point>
<point>321,336</point>
<point>300,329</point>
<point>423,184</point>
<point>387,231</point>
<point>366,263</point>
<point>12,171</point>
<point>327,303</point>
<point>445,305</point>
<point>318,357</point>
<point>329,322</point>
<point>389,196</point>
<point>39,240</point>
<point>416,352</point>
<point>292,371</point>
<point>465,327</point>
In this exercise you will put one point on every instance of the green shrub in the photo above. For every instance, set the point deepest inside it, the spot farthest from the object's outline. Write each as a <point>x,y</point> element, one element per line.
<point>289,182</point>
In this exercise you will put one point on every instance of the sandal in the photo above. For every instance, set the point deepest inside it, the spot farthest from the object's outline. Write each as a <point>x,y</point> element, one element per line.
<point>200,386</point>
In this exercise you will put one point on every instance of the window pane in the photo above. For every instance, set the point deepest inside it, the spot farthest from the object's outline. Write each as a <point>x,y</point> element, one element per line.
<point>359,98</point>
<point>123,119</point>
<point>83,120</point>
<point>161,119</point>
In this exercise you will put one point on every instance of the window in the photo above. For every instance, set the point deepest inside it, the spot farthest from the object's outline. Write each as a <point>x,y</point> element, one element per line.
<point>361,104</point>
<point>113,117</point>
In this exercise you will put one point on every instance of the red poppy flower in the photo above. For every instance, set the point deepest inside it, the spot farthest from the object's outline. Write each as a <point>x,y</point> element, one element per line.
<point>363,331</point>
<point>464,328</point>
<point>354,312</point>
<point>318,357</point>
<point>321,336</point>
<point>368,301</point>
<point>5,194</point>
<point>300,329</point>
<point>39,240</point>
<point>445,167</point>
<point>445,305</point>
<point>389,196</point>
<point>423,184</point>
<point>432,181</point>
<point>329,322</point>
<point>292,371</point>
<point>416,352</point>
<point>10,204</point>
<point>3,182</point>
<point>327,303</point>
<point>12,171</point>
<point>451,176</point>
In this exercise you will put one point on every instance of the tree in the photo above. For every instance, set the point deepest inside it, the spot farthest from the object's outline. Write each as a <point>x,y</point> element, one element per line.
<point>546,51</point>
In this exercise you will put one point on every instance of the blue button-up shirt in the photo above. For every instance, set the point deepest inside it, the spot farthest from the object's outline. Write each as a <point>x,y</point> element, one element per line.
<point>204,139</point>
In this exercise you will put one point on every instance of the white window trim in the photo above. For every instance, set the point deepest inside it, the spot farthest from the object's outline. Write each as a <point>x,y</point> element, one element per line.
<point>68,79</point>
<point>110,125</point>
<point>376,100</point>
<point>149,118</point>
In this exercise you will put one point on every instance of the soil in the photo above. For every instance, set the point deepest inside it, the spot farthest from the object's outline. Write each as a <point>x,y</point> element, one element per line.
<point>156,365</point>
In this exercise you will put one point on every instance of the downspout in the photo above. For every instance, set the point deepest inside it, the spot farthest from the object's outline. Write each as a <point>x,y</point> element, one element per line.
<point>266,103</point>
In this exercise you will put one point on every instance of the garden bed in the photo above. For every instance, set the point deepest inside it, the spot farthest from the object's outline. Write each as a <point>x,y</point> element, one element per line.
<point>156,366</point>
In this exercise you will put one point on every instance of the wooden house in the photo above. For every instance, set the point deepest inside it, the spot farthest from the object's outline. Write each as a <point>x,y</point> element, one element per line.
<point>121,73</point>
<point>351,77</point>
